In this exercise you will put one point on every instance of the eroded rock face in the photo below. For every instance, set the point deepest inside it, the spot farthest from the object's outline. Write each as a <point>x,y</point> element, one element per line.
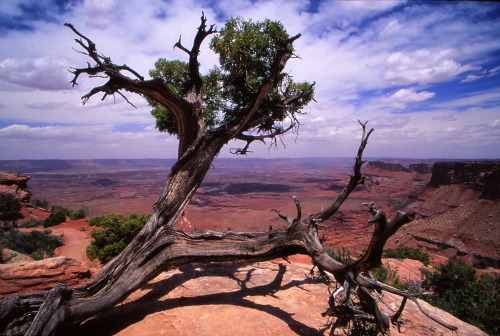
<point>26,277</point>
<point>16,185</point>
<point>395,167</point>
<point>422,168</point>
<point>479,175</point>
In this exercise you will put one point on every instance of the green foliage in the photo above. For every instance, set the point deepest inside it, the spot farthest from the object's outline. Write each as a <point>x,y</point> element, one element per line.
<point>10,207</point>
<point>117,231</point>
<point>390,276</point>
<point>81,213</point>
<point>35,243</point>
<point>342,255</point>
<point>364,328</point>
<point>57,216</point>
<point>406,252</point>
<point>457,289</point>
<point>246,52</point>
<point>31,223</point>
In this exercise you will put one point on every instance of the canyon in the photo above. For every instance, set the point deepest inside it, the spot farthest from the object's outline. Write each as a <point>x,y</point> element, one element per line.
<point>459,217</point>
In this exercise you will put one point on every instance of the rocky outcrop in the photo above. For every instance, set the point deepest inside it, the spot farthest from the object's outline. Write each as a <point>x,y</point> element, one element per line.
<point>16,185</point>
<point>422,168</point>
<point>395,167</point>
<point>40,275</point>
<point>480,175</point>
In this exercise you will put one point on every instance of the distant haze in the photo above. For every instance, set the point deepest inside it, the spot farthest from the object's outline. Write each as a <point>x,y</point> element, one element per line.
<point>426,75</point>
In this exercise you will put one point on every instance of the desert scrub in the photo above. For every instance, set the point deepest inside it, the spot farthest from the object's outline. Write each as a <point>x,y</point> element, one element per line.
<point>457,289</point>
<point>38,245</point>
<point>114,235</point>
<point>31,223</point>
<point>342,255</point>
<point>406,252</point>
<point>10,207</point>
<point>389,275</point>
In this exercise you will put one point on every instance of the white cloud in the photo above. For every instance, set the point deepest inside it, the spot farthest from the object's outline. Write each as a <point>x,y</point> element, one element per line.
<point>355,51</point>
<point>94,141</point>
<point>401,98</point>
<point>424,66</point>
<point>42,73</point>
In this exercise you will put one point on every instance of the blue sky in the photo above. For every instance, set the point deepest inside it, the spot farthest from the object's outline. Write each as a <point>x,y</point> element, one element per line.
<point>425,75</point>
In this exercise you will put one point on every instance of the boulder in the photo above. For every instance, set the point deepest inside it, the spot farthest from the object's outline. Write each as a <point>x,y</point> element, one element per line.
<point>16,185</point>
<point>35,276</point>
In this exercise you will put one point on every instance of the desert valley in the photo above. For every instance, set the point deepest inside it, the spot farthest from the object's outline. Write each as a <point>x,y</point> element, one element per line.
<point>459,203</point>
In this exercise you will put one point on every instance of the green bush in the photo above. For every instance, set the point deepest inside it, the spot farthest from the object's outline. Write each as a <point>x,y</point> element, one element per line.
<point>117,231</point>
<point>457,289</point>
<point>79,214</point>
<point>57,216</point>
<point>35,243</point>
<point>406,252</point>
<point>10,207</point>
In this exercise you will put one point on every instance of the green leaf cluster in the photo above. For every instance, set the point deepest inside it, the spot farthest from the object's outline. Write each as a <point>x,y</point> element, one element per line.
<point>246,51</point>
<point>116,232</point>
<point>457,289</point>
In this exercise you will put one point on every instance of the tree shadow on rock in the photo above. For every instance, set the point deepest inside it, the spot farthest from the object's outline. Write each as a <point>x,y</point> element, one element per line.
<point>124,315</point>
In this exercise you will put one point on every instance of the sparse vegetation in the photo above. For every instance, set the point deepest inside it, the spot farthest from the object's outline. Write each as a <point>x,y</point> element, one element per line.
<point>39,203</point>
<point>31,223</point>
<point>457,289</point>
<point>117,231</point>
<point>406,252</point>
<point>81,213</point>
<point>38,245</point>
<point>57,216</point>
<point>389,275</point>
<point>342,255</point>
<point>10,207</point>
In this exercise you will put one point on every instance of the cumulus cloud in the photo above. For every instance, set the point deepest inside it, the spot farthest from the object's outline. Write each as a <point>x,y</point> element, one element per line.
<point>369,60</point>
<point>424,66</point>
<point>93,141</point>
<point>401,98</point>
<point>42,73</point>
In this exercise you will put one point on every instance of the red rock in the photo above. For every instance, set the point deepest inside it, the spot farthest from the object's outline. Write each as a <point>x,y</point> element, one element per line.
<point>16,185</point>
<point>27,277</point>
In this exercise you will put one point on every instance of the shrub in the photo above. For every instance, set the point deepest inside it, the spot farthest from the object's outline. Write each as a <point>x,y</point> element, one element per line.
<point>10,207</point>
<point>342,255</point>
<point>31,223</point>
<point>117,231</point>
<point>57,216</point>
<point>406,252</point>
<point>80,213</point>
<point>457,289</point>
<point>44,204</point>
<point>35,243</point>
<point>390,276</point>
